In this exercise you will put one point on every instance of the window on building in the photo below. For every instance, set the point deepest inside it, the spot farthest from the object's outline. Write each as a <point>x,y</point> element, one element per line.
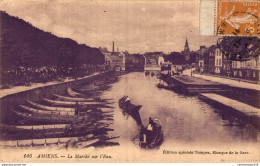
<point>219,62</point>
<point>254,75</point>
<point>235,73</point>
<point>240,74</point>
<point>248,73</point>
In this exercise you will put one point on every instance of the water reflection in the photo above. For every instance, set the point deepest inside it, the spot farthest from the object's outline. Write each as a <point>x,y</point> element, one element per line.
<point>184,119</point>
<point>135,116</point>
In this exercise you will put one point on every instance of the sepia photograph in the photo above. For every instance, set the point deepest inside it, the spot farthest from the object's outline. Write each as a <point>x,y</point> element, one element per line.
<point>160,81</point>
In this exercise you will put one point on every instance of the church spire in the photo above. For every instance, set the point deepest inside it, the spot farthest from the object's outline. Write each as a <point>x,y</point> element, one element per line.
<point>186,47</point>
<point>186,51</point>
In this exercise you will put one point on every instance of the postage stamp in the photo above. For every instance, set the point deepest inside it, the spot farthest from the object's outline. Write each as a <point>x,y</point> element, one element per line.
<point>229,18</point>
<point>237,18</point>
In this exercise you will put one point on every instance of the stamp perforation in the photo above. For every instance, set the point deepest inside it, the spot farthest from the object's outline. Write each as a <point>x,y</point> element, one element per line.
<point>244,29</point>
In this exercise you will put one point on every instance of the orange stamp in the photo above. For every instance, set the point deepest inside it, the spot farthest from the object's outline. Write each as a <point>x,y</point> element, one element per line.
<point>237,18</point>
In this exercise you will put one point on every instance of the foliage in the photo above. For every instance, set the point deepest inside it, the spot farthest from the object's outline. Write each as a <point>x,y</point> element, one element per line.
<point>25,45</point>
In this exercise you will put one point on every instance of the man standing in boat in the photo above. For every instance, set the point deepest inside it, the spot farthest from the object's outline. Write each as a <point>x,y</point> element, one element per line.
<point>150,125</point>
<point>146,134</point>
<point>127,99</point>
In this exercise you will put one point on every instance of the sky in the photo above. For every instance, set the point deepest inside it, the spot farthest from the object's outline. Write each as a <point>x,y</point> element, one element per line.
<point>135,26</point>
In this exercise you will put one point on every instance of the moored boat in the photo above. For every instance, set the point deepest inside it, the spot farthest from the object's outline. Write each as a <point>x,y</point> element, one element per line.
<point>16,128</point>
<point>88,140</point>
<point>33,110</point>
<point>44,107</point>
<point>73,93</point>
<point>49,118</point>
<point>54,133</point>
<point>54,118</point>
<point>160,85</point>
<point>80,99</point>
<point>72,103</point>
<point>75,99</point>
<point>169,87</point>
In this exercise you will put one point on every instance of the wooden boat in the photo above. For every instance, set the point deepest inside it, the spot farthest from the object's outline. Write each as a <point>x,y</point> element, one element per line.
<point>169,87</point>
<point>151,139</point>
<point>49,118</point>
<point>33,110</point>
<point>85,144</point>
<point>74,94</point>
<point>89,92</point>
<point>52,108</point>
<point>15,131</point>
<point>129,107</point>
<point>43,134</point>
<point>15,128</point>
<point>99,88</point>
<point>75,99</point>
<point>54,118</point>
<point>72,103</point>
<point>160,85</point>
<point>65,98</point>
<point>47,141</point>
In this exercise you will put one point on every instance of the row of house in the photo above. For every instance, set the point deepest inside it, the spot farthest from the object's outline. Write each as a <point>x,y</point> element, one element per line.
<point>213,61</point>
<point>120,61</point>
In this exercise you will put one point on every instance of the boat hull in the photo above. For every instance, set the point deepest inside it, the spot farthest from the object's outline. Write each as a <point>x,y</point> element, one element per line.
<point>153,138</point>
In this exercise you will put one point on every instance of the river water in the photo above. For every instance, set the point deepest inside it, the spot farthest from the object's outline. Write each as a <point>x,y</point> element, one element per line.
<point>185,119</point>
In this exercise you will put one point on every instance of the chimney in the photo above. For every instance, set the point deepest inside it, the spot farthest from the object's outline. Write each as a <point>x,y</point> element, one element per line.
<point>113,47</point>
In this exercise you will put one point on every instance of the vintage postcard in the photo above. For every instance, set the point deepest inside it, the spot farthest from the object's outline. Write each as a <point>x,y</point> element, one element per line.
<point>167,81</point>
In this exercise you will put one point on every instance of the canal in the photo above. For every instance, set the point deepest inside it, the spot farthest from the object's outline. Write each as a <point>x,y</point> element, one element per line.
<point>185,119</point>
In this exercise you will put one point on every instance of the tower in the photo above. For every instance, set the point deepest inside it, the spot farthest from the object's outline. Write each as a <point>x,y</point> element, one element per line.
<point>113,49</point>
<point>186,51</point>
<point>186,47</point>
